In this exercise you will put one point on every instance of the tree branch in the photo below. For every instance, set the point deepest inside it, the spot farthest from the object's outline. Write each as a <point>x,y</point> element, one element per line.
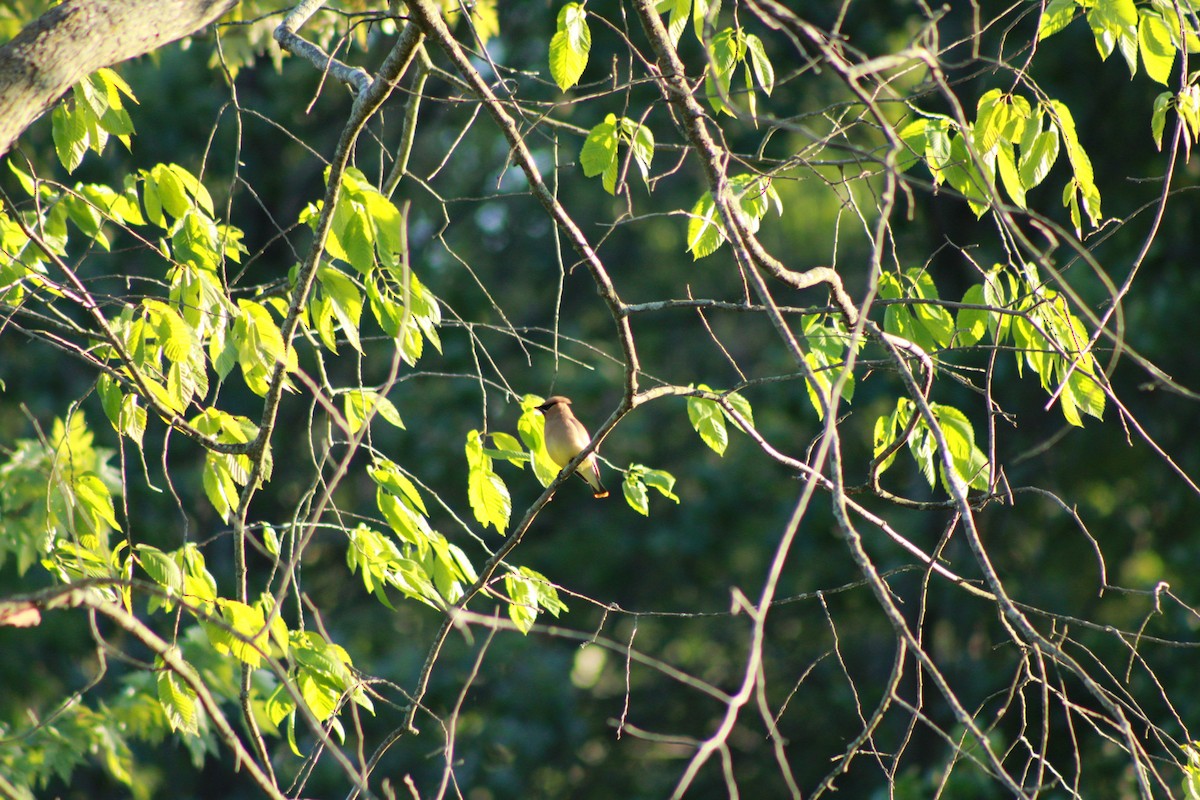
<point>73,40</point>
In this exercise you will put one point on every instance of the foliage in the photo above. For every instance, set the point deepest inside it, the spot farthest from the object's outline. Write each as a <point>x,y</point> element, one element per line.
<point>240,360</point>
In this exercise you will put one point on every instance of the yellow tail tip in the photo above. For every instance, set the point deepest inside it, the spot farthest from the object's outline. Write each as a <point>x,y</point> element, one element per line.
<point>600,495</point>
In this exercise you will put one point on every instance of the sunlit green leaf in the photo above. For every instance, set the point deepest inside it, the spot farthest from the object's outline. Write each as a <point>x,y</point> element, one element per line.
<point>361,403</point>
<point>679,16</point>
<point>487,492</point>
<point>1158,118</point>
<point>764,73</point>
<point>708,421</point>
<point>599,153</point>
<point>972,323</point>
<point>634,490</point>
<point>704,233</point>
<point>178,700</point>
<point>1056,16</point>
<point>523,597</point>
<point>1155,45</point>
<point>570,46</point>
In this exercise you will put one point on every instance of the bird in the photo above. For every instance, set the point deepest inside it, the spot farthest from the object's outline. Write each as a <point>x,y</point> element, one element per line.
<point>565,437</point>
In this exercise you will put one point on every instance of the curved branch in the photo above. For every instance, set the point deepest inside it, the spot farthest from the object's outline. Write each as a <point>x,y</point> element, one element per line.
<point>357,78</point>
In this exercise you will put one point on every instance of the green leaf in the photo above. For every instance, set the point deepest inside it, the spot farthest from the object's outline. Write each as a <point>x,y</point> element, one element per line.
<point>24,178</point>
<point>133,418</point>
<point>523,605</point>
<point>912,136</point>
<point>1038,158</point>
<point>972,323</point>
<point>161,568</point>
<point>726,50</point>
<point>121,207</point>
<point>599,153</point>
<point>929,326</point>
<point>278,636</point>
<point>754,194</point>
<point>1156,45</point>
<point>199,196</point>
<point>531,427</point>
<point>1032,349</point>
<point>570,46</point>
<point>486,491</point>
<point>704,233</point>
<point>936,324</point>
<point>198,582</point>
<point>1071,203</point>
<point>259,344</point>
<point>1114,24</point>
<point>547,594</point>
<point>1187,103</point>
<point>708,421</point>
<point>489,499</point>
<point>825,356</point>
<point>179,703</point>
<point>386,223</point>
<point>115,86</point>
<point>171,190</point>
<point>219,487</point>
<point>152,201</point>
<point>1158,119</point>
<point>704,14</point>
<point>679,16</point>
<point>764,73</point>
<point>345,302</point>
<point>1009,177</point>
<point>634,490</point>
<point>270,540</point>
<point>1081,164</point>
<point>402,518</point>
<point>962,173</point>
<point>1082,392</point>
<point>389,476</point>
<point>741,405</point>
<point>638,479</point>
<point>887,428</point>
<point>174,334</point>
<point>990,118</point>
<point>642,143</point>
<point>357,236</point>
<point>938,149</point>
<point>1057,15</point>
<point>1167,9</point>
<point>279,705</point>
<point>969,462</point>
<point>109,391</point>
<point>506,446</point>
<point>86,217</point>
<point>411,578</point>
<point>361,403</point>
<point>249,636</point>
<point>320,697</point>
<point>70,136</point>
<point>923,448</point>
<point>660,480</point>
<point>94,500</point>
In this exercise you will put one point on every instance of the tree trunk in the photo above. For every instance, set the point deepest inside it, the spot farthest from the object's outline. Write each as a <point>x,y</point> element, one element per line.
<point>77,38</point>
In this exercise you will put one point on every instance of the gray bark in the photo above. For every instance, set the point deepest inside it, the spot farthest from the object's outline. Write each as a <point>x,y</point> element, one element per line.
<point>77,38</point>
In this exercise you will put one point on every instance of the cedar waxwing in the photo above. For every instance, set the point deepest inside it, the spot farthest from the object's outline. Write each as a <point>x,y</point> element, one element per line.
<point>565,437</point>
